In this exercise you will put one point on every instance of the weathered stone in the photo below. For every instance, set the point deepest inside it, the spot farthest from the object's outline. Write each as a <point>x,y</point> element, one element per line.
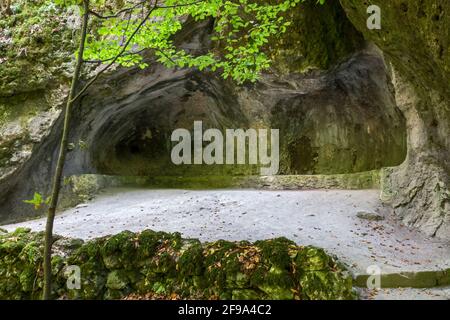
<point>415,39</point>
<point>369,216</point>
<point>117,280</point>
<point>221,269</point>
<point>245,294</point>
<point>343,120</point>
<point>119,251</point>
<point>35,48</point>
<point>319,38</point>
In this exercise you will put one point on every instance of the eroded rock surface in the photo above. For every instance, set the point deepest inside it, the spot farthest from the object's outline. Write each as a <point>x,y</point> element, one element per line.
<point>344,119</point>
<point>340,121</point>
<point>415,39</point>
<point>167,266</point>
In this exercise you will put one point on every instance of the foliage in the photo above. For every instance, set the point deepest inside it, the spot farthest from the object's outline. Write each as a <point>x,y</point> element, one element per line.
<point>37,201</point>
<point>242,27</point>
<point>241,30</point>
<point>163,264</point>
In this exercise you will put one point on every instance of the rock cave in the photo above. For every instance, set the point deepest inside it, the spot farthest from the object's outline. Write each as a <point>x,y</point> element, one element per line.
<point>364,122</point>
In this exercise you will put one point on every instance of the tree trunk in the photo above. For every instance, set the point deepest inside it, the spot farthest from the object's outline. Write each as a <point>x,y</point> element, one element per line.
<point>61,159</point>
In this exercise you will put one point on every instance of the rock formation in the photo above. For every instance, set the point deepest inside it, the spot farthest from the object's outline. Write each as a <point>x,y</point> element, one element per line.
<point>415,39</point>
<point>344,98</point>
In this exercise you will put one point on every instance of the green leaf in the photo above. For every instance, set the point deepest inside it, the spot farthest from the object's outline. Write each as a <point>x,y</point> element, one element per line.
<point>37,201</point>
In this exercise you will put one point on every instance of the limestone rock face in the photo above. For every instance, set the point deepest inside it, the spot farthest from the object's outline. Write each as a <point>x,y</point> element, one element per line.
<point>329,94</point>
<point>36,46</point>
<point>319,38</point>
<point>340,121</point>
<point>415,38</point>
<point>17,139</point>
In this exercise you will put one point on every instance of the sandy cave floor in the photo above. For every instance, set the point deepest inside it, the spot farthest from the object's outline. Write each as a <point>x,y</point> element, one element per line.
<point>327,219</point>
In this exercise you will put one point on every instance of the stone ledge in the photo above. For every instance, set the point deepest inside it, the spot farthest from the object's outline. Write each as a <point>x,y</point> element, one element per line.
<point>165,264</point>
<point>419,279</point>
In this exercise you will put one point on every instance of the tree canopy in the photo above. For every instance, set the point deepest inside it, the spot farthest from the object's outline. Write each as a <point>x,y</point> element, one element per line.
<point>241,30</point>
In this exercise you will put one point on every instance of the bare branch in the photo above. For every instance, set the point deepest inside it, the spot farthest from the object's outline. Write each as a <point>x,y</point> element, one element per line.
<point>182,5</point>
<point>124,48</point>
<point>118,13</point>
<point>130,9</point>
<point>123,55</point>
<point>165,55</point>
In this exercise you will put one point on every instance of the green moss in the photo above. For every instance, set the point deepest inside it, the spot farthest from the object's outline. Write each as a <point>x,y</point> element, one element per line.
<point>148,243</point>
<point>28,278</point>
<point>190,262</point>
<point>276,283</point>
<point>119,251</point>
<point>312,259</point>
<point>315,271</point>
<point>274,275</point>
<point>221,261</point>
<point>325,285</point>
<point>117,280</point>
<point>89,252</point>
<point>37,49</point>
<point>19,231</point>
<point>20,263</point>
<point>275,252</point>
<point>318,38</point>
<point>165,264</point>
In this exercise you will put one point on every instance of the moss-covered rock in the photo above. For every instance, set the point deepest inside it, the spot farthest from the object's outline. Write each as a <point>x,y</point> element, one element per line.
<point>327,121</point>
<point>318,38</point>
<point>190,262</point>
<point>166,265</point>
<point>414,38</point>
<point>35,46</point>
<point>312,259</point>
<point>21,273</point>
<point>119,250</point>
<point>117,280</point>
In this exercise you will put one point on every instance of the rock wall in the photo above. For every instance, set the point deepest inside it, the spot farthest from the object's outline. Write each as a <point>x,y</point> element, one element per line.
<point>36,41</point>
<point>415,38</point>
<point>340,120</point>
<point>343,121</point>
<point>157,265</point>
